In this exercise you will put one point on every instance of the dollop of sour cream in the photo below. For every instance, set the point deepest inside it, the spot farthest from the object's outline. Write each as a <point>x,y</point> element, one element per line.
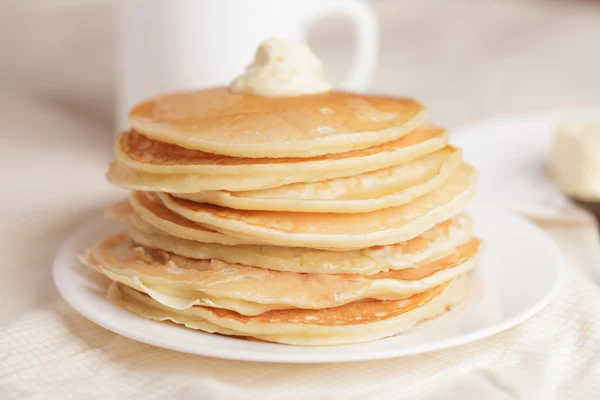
<point>283,68</point>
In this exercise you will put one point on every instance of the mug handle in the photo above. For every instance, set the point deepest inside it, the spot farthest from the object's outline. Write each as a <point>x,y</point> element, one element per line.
<point>367,46</point>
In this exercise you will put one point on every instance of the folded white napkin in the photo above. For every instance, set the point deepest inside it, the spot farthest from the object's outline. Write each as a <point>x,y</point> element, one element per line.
<point>57,354</point>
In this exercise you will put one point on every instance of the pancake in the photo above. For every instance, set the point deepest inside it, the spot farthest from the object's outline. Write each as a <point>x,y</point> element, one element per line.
<point>313,217</point>
<point>150,210</point>
<point>351,323</point>
<point>181,282</point>
<point>434,243</point>
<point>146,154</point>
<point>366,192</point>
<point>437,242</point>
<point>243,125</point>
<point>146,164</point>
<point>347,231</point>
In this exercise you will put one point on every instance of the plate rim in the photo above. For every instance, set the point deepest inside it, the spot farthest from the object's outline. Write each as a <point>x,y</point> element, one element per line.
<point>63,264</point>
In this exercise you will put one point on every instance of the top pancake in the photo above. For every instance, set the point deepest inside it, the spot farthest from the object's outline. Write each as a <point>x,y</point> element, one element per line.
<point>243,125</point>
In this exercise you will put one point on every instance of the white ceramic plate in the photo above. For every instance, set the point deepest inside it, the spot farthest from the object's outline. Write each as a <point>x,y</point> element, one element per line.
<point>511,154</point>
<point>520,272</point>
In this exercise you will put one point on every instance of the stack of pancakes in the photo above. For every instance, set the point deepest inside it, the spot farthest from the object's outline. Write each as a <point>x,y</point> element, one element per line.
<point>318,219</point>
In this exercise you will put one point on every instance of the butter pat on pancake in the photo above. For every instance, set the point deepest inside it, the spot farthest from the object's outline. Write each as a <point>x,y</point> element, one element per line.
<point>219,121</point>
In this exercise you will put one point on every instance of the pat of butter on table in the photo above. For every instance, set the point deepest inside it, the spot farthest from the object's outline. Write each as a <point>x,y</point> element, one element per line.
<point>575,159</point>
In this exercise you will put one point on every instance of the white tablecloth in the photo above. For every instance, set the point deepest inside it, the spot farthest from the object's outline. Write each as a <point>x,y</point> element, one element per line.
<point>55,141</point>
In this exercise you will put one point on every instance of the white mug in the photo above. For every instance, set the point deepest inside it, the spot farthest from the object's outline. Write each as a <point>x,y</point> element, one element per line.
<point>171,45</point>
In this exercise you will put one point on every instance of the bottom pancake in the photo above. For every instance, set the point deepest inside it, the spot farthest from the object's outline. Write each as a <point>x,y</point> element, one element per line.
<point>351,323</point>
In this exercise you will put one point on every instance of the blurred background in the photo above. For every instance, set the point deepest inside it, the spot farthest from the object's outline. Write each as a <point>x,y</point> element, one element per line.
<point>465,59</point>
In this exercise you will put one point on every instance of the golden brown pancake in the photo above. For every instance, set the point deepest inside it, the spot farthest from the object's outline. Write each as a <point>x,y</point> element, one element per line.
<point>146,163</point>
<point>437,242</point>
<point>316,219</point>
<point>243,125</point>
<point>351,323</point>
<point>150,209</point>
<point>146,154</point>
<point>366,192</point>
<point>328,230</point>
<point>181,282</point>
